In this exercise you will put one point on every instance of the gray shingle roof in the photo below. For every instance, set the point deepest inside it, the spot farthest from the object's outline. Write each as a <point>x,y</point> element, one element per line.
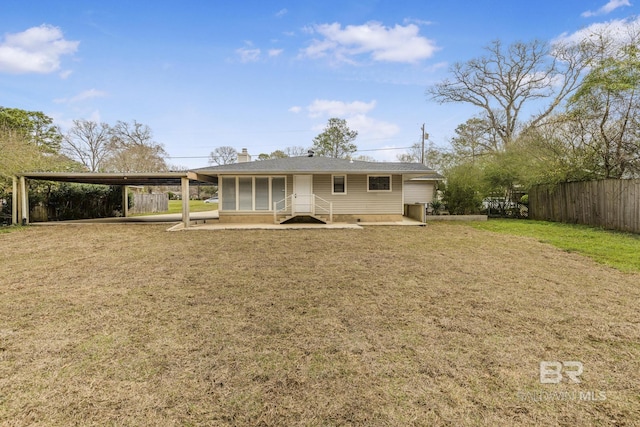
<point>317,164</point>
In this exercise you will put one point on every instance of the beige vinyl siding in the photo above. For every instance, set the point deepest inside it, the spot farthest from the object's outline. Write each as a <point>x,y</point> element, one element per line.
<point>358,200</point>
<point>418,192</point>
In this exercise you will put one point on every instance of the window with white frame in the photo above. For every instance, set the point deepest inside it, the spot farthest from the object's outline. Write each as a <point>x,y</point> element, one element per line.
<point>247,193</point>
<point>338,184</point>
<point>379,183</point>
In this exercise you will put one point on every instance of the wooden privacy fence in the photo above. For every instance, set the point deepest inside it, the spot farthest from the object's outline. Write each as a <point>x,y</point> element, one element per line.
<point>149,203</point>
<point>608,203</point>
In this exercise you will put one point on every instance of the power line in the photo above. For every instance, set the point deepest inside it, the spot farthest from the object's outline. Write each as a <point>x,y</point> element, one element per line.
<point>357,151</point>
<point>187,157</point>
<point>384,149</point>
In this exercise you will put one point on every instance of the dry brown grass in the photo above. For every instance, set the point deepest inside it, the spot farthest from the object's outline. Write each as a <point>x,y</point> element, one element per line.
<point>442,325</point>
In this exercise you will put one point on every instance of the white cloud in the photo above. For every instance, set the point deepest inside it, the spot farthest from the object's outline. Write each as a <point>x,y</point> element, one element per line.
<point>417,21</point>
<point>437,67</point>
<point>65,74</point>
<point>621,30</point>
<point>95,117</point>
<point>368,127</point>
<point>295,109</point>
<point>66,122</point>
<point>607,8</point>
<point>281,13</point>
<point>324,107</point>
<point>82,96</point>
<point>36,50</point>
<point>248,54</point>
<point>389,44</point>
<point>355,113</point>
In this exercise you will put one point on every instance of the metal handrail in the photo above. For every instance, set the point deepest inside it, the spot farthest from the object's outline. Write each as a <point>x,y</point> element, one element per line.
<point>288,206</point>
<point>285,209</point>
<point>328,209</point>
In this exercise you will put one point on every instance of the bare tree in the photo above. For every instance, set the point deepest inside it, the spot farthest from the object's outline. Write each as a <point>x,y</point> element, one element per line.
<point>504,81</point>
<point>435,157</point>
<point>88,143</point>
<point>296,151</point>
<point>134,150</point>
<point>131,133</point>
<point>223,156</point>
<point>412,155</point>
<point>137,158</point>
<point>364,158</point>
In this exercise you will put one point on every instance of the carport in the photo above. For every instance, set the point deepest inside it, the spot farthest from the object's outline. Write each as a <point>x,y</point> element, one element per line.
<point>20,195</point>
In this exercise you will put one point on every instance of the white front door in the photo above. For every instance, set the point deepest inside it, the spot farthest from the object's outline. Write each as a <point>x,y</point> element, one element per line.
<point>303,193</point>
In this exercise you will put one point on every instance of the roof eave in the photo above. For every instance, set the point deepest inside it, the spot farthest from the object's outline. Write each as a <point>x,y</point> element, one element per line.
<point>324,172</point>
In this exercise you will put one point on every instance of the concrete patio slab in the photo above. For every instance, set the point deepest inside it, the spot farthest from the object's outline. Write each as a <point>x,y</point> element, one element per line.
<point>231,226</point>
<point>160,218</point>
<point>405,221</point>
<point>294,226</point>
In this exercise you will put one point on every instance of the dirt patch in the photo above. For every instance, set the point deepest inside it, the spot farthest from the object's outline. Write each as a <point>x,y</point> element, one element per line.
<point>436,325</point>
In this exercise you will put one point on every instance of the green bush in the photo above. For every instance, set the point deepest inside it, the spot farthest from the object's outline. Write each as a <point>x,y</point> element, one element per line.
<point>464,190</point>
<point>81,201</point>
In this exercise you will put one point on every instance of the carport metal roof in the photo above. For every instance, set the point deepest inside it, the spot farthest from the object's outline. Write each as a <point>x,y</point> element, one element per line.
<point>121,178</point>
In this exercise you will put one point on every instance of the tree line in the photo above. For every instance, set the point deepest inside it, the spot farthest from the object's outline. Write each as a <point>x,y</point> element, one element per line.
<point>336,140</point>
<point>30,141</point>
<point>547,113</point>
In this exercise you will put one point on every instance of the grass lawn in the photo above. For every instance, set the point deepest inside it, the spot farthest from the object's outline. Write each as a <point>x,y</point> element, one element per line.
<point>618,250</point>
<point>127,324</point>
<point>175,206</point>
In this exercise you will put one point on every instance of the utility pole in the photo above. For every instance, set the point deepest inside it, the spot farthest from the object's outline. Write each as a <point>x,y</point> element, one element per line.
<point>422,151</point>
<point>424,136</point>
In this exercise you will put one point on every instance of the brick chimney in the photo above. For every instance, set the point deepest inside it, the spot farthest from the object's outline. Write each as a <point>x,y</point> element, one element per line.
<point>244,156</point>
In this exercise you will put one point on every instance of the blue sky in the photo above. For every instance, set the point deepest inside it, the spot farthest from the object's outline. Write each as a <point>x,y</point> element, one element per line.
<point>264,75</point>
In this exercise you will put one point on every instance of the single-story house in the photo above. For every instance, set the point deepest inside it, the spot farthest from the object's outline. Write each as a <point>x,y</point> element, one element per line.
<point>321,188</point>
<point>310,187</point>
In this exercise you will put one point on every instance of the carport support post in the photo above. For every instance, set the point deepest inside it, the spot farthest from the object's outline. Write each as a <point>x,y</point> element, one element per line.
<point>25,201</point>
<point>185,201</point>
<point>125,201</point>
<point>14,202</point>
